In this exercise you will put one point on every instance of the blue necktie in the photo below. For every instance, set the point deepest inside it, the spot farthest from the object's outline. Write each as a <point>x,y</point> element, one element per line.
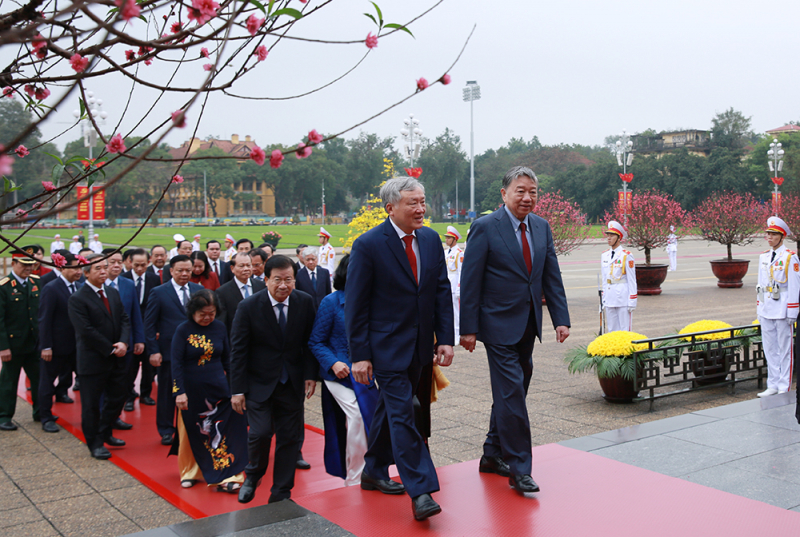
<point>114,285</point>
<point>139,289</point>
<point>71,288</point>
<point>314,281</point>
<point>247,291</point>
<point>282,324</point>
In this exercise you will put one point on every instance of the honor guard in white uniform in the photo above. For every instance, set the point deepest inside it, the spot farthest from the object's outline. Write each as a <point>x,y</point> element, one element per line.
<point>326,253</point>
<point>454,257</point>
<point>230,248</point>
<point>196,243</point>
<point>672,249</point>
<point>95,245</point>
<point>178,238</point>
<point>57,244</point>
<point>75,245</point>
<point>777,299</point>
<point>618,271</point>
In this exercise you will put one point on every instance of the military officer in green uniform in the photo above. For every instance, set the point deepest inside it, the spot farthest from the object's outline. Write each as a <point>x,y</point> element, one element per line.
<point>19,333</point>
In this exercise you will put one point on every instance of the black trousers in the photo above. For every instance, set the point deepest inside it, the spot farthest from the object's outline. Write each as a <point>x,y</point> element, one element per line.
<point>56,369</point>
<point>111,387</point>
<point>148,374</point>
<point>280,415</point>
<point>165,403</point>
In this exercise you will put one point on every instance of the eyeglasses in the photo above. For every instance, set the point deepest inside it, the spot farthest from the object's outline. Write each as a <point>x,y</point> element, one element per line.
<point>278,281</point>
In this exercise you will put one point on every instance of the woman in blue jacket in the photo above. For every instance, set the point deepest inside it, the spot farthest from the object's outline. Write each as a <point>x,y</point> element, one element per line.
<point>347,406</point>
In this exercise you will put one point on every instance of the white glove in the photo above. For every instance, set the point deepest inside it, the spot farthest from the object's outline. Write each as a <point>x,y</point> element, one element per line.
<point>630,310</point>
<point>790,321</point>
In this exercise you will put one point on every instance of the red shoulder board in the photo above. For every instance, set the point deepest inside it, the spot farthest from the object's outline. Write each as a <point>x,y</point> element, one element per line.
<point>627,252</point>
<point>792,252</point>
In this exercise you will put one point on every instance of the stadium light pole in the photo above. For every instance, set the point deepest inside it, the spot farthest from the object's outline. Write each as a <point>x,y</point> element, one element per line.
<point>93,109</point>
<point>472,92</point>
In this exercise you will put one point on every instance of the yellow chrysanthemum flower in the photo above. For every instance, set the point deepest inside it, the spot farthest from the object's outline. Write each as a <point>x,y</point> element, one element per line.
<point>703,326</point>
<point>616,344</point>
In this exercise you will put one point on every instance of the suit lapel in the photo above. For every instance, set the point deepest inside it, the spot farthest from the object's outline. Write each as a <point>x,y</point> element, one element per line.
<point>99,301</point>
<point>397,247</point>
<point>270,318</point>
<point>423,254</point>
<point>506,231</point>
<point>173,293</point>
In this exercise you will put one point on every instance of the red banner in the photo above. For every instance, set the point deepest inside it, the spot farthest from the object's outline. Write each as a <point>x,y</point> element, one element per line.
<point>776,203</point>
<point>626,207</point>
<point>99,200</point>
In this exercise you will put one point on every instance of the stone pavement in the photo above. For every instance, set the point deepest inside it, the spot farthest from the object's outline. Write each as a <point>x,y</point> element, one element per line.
<point>50,486</point>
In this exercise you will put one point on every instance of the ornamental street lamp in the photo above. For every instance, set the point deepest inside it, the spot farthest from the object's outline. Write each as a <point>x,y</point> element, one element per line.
<point>411,136</point>
<point>93,109</point>
<point>623,150</point>
<point>775,156</point>
<point>472,92</point>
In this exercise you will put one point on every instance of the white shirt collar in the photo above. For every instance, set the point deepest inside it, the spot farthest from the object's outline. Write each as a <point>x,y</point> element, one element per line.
<point>275,302</point>
<point>20,280</point>
<point>109,282</point>
<point>239,283</point>
<point>66,281</point>
<point>400,232</point>
<point>95,289</point>
<point>514,220</point>
<point>176,286</point>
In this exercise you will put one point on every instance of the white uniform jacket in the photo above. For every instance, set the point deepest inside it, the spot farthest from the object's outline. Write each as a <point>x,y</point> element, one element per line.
<point>227,254</point>
<point>672,243</point>
<point>326,258</point>
<point>619,278</point>
<point>454,259</point>
<point>778,284</point>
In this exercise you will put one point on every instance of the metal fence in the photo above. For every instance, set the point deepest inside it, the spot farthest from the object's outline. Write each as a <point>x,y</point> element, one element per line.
<point>672,365</point>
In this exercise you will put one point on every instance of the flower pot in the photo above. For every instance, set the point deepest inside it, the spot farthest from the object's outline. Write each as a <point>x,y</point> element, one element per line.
<point>618,390</point>
<point>729,273</point>
<point>650,277</point>
<point>712,366</point>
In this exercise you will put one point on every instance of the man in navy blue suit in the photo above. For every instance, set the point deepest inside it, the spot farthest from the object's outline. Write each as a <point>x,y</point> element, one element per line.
<point>221,268</point>
<point>127,293</point>
<point>312,279</point>
<point>398,298</point>
<point>509,262</point>
<point>166,309</point>
<point>56,339</point>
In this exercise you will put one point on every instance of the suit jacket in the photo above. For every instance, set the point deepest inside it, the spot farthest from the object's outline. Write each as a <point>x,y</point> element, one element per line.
<point>165,273</point>
<point>163,315</point>
<point>130,301</point>
<point>497,293</point>
<point>230,296</point>
<point>151,281</point>
<point>96,330</point>
<point>386,310</point>
<point>259,351</point>
<point>55,328</point>
<point>225,273</point>
<point>303,282</point>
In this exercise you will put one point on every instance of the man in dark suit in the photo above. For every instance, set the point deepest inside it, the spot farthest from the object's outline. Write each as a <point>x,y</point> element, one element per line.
<point>312,279</point>
<point>221,268</point>
<point>130,300</point>
<point>272,369</point>
<point>236,290</point>
<point>144,281</point>
<point>158,260</point>
<point>56,340</point>
<point>509,262</point>
<point>102,329</point>
<point>398,299</point>
<point>166,309</point>
<point>301,262</point>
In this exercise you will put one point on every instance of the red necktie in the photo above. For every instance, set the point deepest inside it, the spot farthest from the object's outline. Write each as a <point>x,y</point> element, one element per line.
<point>412,257</point>
<point>160,275</point>
<point>526,250</point>
<point>105,300</point>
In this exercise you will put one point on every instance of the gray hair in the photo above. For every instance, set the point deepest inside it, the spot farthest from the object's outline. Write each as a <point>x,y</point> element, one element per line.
<point>390,192</point>
<point>88,268</point>
<point>307,251</point>
<point>518,171</point>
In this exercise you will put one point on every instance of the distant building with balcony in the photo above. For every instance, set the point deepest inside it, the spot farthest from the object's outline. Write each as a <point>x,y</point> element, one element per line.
<point>695,141</point>
<point>786,129</point>
<point>257,199</point>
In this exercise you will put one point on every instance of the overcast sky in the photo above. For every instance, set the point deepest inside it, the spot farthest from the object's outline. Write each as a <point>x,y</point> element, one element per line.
<point>567,72</point>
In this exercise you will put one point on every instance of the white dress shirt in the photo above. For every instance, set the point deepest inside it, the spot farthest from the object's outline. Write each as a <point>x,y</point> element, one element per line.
<point>246,285</point>
<point>180,293</point>
<point>136,279</point>
<point>515,222</point>
<point>414,244</point>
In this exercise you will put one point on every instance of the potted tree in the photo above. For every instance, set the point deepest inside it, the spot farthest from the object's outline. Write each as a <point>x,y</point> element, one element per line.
<point>648,225</point>
<point>730,218</point>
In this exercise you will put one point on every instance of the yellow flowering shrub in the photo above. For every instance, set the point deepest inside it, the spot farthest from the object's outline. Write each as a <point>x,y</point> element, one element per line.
<point>703,326</point>
<point>616,344</point>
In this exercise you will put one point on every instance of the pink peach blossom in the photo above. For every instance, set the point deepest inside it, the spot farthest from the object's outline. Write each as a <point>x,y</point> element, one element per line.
<point>261,52</point>
<point>129,9</point>
<point>8,91</point>
<point>39,46</point>
<point>177,178</point>
<point>276,158</point>
<point>422,84</point>
<point>258,155</point>
<point>116,144</point>
<point>208,67</point>
<point>41,93</point>
<point>58,260</point>
<point>20,212</point>
<point>303,150</point>
<point>371,41</point>
<point>37,205</point>
<point>48,186</point>
<point>179,118</point>
<point>253,24</point>
<point>82,260</point>
<point>446,79</point>
<point>130,55</point>
<point>30,90</point>
<point>176,27</point>
<point>314,137</point>
<point>203,10</point>
<point>144,50</point>
<point>6,163</point>
<point>78,63</point>
<point>204,52</point>
<point>148,61</point>
<point>22,151</point>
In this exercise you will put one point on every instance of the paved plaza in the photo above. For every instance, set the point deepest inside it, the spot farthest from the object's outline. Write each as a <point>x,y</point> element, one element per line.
<point>50,486</point>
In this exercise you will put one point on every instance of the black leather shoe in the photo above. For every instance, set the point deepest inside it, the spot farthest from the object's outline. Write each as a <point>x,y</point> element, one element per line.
<point>128,406</point>
<point>248,490</point>
<point>166,440</point>
<point>116,442</point>
<point>121,425</point>
<point>523,483</point>
<point>76,386</point>
<point>149,401</point>
<point>50,427</point>
<point>101,453</point>
<point>494,465</point>
<point>8,426</point>
<point>65,399</point>
<point>423,507</point>
<point>302,465</point>
<point>387,486</point>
